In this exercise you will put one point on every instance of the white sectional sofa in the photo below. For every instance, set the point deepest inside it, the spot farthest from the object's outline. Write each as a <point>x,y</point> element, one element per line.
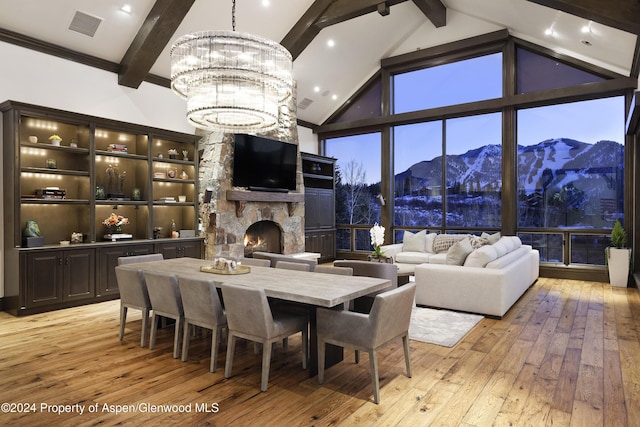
<point>485,274</point>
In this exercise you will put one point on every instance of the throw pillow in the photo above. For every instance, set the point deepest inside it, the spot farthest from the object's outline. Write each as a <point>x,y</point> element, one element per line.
<point>429,246</point>
<point>500,247</point>
<point>481,256</point>
<point>477,242</point>
<point>443,242</point>
<point>458,252</point>
<point>414,242</point>
<point>510,244</point>
<point>492,238</point>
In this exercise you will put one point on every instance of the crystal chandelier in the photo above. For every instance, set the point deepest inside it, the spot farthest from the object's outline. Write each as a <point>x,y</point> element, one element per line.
<point>233,82</point>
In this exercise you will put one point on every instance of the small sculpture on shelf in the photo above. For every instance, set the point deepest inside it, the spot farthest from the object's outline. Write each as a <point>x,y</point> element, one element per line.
<point>185,154</point>
<point>31,236</point>
<point>115,183</point>
<point>173,153</point>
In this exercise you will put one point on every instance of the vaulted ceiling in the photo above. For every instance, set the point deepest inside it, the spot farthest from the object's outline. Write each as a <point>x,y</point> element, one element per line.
<point>136,45</point>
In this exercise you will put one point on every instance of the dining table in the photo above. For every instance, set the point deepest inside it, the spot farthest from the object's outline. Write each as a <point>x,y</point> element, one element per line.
<point>307,289</point>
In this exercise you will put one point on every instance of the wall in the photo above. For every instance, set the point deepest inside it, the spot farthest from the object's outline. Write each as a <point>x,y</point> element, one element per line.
<point>36,78</point>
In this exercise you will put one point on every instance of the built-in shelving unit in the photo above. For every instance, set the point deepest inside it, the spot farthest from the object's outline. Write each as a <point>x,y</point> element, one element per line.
<point>319,200</point>
<point>99,167</point>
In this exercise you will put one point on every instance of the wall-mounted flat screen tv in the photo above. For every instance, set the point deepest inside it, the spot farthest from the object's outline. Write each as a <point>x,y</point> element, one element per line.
<point>264,164</point>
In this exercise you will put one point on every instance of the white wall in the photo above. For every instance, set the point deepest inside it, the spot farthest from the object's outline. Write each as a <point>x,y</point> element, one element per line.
<point>35,78</point>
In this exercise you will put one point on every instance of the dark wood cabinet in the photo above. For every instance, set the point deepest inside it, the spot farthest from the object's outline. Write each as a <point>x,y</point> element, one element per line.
<point>180,249</point>
<point>57,277</point>
<point>319,201</point>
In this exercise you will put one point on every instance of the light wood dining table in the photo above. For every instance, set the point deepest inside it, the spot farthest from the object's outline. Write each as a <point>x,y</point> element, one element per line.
<point>309,289</point>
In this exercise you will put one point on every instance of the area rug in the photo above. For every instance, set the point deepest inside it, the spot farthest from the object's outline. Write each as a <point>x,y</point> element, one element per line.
<point>441,327</point>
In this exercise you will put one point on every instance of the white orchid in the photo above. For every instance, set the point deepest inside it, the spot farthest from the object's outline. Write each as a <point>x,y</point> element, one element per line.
<point>377,239</point>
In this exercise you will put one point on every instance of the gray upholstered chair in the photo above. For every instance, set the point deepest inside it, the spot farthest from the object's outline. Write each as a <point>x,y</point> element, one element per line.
<point>388,320</point>
<point>286,265</point>
<point>202,308</point>
<point>257,262</point>
<point>249,316</point>
<point>328,269</point>
<point>370,269</point>
<point>166,301</point>
<point>133,293</point>
<point>274,258</point>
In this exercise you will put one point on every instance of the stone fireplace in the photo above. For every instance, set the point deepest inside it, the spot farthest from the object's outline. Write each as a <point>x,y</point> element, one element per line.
<point>263,236</point>
<point>228,212</point>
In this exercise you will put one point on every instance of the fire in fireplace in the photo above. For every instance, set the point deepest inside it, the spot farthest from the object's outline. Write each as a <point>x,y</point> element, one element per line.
<point>263,236</point>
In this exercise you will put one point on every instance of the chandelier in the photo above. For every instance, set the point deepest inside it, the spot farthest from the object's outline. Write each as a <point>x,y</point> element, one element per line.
<point>233,82</point>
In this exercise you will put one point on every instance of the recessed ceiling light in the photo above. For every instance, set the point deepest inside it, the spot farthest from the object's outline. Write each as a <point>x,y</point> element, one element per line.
<point>331,43</point>
<point>265,3</point>
<point>586,42</point>
<point>550,32</point>
<point>316,89</point>
<point>334,97</point>
<point>126,8</point>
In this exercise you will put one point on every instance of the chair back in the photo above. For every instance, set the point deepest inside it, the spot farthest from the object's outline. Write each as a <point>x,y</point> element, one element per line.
<point>328,269</point>
<point>280,257</point>
<point>380,270</point>
<point>164,293</point>
<point>256,261</point>
<point>293,266</point>
<point>139,258</point>
<point>200,301</point>
<point>391,313</point>
<point>247,310</point>
<point>133,288</point>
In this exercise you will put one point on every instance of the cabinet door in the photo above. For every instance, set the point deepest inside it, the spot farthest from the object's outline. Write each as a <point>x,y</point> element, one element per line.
<point>170,250</point>
<point>79,274</point>
<point>326,208</point>
<point>192,249</point>
<point>311,242</point>
<point>43,279</point>
<point>107,262</point>
<point>311,213</point>
<point>327,245</point>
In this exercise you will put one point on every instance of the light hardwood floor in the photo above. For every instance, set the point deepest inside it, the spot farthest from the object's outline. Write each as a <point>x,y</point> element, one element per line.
<point>567,354</point>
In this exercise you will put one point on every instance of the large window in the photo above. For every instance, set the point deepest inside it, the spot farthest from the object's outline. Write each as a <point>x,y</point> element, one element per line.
<point>449,84</point>
<point>357,185</point>
<point>570,171</point>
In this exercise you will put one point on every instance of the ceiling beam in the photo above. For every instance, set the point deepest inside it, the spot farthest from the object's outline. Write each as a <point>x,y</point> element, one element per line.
<point>434,10</point>
<point>324,13</point>
<point>154,34</point>
<point>621,14</point>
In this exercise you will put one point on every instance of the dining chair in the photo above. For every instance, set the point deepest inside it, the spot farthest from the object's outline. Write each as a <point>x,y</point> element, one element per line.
<point>329,269</point>
<point>133,293</point>
<point>166,301</point>
<point>249,316</point>
<point>388,320</point>
<point>202,308</point>
<point>257,262</point>
<point>286,265</point>
<point>379,270</point>
<point>274,258</point>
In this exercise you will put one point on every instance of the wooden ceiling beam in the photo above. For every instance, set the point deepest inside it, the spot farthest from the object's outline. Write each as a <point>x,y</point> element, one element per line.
<point>434,10</point>
<point>324,13</point>
<point>621,14</point>
<point>154,34</point>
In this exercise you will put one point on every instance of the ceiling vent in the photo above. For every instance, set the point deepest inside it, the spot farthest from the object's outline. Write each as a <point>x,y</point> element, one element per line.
<point>84,23</point>
<point>304,103</point>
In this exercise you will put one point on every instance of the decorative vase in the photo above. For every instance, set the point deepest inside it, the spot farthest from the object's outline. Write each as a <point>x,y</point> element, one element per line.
<point>618,261</point>
<point>114,229</point>
<point>55,142</point>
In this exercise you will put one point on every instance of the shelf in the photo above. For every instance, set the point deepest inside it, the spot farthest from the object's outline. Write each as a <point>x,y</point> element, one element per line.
<point>121,202</point>
<point>120,154</point>
<point>54,171</point>
<point>44,146</point>
<point>173,161</point>
<point>35,201</point>
<point>175,180</point>
<point>316,176</point>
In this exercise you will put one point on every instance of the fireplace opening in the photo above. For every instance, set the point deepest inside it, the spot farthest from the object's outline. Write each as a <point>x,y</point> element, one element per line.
<point>262,236</point>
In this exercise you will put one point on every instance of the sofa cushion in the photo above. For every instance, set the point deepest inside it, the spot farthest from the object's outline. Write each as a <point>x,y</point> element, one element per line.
<point>412,257</point>
<point>481,257</point>
<point>414,242</point>
<point>440,258</point>
<point>458,252</point>
<point>509,243</point>
<point>443,242</point>
<point>500,247</point>
<point>507,259</point>
<point>493,238</point>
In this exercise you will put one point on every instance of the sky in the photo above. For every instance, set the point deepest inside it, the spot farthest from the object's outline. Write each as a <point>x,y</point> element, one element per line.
<point>586,121</point>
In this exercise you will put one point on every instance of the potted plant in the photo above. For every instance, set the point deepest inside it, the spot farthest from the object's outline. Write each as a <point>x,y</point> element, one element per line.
<point>55,139</point>
<point>618,257</point>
